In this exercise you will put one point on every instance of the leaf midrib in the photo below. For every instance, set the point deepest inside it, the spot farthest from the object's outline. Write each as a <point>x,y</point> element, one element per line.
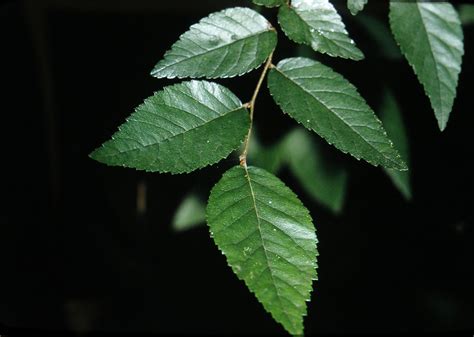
<point>267,259</point>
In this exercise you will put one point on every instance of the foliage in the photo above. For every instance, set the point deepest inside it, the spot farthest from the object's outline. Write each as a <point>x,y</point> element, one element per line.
<point>260,225</point>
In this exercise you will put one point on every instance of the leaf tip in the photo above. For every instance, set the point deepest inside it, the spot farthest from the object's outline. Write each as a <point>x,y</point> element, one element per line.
<point>95,155</point>
<point>442,124</point>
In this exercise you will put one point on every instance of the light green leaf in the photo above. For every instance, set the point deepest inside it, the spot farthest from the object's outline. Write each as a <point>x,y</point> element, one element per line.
<point>269,3</point>
<point>324,182</point>
<point>355,6</point>
<point>325,102</point>
<point>392,120</point>
<point>179,129</point>
<point>227,43</point>
<point>269,240</point>
<point>190,213</point>
<point>317,24</point>
<point>430,36</point>
<point>466,14</point>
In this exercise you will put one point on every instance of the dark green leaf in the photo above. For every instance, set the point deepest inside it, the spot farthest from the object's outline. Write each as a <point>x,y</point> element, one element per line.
<point>379,32</point>
<point>269,3</point>
<point>269,240</point>
<point>190,213</point>
<point>355,6</point>
<point>324,182</point>
<point>392,120</point>
<point>224,44</point>
<point>431,38</point>
<point>269,158</point>
<point>180,129</point>
<point>317,24</point>
<point>325,102</point>
<point>466,14</point>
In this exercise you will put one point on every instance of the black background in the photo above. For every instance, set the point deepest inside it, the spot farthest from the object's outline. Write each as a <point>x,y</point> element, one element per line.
<point>75,256</point>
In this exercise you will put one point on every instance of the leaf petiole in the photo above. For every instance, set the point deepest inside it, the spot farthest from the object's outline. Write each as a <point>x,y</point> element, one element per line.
<point>251,106</point>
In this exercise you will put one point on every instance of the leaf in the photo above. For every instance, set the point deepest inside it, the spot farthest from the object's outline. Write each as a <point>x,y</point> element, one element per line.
<point>269,3</point>
<point>379,32</point>
<point>325,102</point>
<point>269,240</point>
<point>269,158</point>
<point>466,14</point>
<point>431,38</point>
<point>317,24</point>
<point>392,120</point>
<point>179,129</point>
<point>190,213</point>
<point>355,6</point>
<point>227,43</point>
<point>324,182</point>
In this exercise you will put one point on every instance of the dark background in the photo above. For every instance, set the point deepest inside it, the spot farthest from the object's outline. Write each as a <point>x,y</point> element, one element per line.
<point>75,256</point>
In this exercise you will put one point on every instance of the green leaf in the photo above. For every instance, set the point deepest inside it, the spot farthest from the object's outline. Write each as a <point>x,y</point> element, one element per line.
<point>190,213</point>
<point>355,6</point>
<point>227,43</point>
<point>392,120</point>
<point>269,158</point>
<point>431,38</point>
<point>179,129</point>
<point>325,102</point>
<point>379,32</point>
<point>269,240</point>
<point>317,24</point>
<point>466,14</point>
<point>269,3</point>
<point>324,182</point>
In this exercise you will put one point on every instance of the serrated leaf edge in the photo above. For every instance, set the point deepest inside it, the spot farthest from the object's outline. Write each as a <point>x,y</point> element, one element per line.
<point>308,214</point>
<point>442,124</point>
<point>270,29</point>
<point>362,57</point>
<point>400,167</point>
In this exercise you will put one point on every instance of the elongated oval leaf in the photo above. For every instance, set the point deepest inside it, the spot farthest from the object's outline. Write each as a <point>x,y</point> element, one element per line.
<point>181,128</point>
<point>355,6</point>
<point>269,3</point>
<point>430,36</point>
<point>224,44</point>
<point>392,120</point>
<point>269,240</point>
<point>317,24</point>
<point>322,180</point>
<point>325,102</point>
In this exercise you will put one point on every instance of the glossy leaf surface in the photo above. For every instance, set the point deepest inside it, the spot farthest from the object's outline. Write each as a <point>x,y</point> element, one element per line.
<point>227,43</point>
<point>179,129</point>
<point>317,24</point>
<point>431,38</point>
<point>325,102</point>
<point>269,240</point>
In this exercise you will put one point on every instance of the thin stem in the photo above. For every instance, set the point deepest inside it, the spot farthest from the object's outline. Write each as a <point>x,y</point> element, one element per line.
<point>251,106</point>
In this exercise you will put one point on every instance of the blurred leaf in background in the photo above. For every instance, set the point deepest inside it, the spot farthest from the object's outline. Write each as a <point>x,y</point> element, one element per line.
<point>392,120</point>
<point>190,213</point>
